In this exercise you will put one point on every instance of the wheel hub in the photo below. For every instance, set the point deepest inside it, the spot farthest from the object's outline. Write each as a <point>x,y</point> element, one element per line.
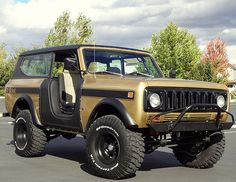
<point>21,136</point>
<point>108,148</point>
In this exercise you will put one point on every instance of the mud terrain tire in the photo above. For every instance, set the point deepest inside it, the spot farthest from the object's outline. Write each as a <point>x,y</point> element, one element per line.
<point>29,140</point>
<point>114,151</point>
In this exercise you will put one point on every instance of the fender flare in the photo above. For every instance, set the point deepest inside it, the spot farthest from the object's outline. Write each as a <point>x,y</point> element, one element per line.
<point>28,100</point>
<point>116,104</point>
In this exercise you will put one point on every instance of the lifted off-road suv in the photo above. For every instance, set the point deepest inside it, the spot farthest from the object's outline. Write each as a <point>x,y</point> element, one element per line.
<point>119,101</point>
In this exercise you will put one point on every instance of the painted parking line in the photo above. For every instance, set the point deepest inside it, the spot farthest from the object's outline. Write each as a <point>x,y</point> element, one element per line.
<point>229,132</point>
<point>10,122</point>
<point>4,123</point>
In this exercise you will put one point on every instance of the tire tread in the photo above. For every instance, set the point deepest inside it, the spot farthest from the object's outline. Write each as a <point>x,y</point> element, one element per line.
<point>134,151</point>
<point>38,138</point>
<point>205,159</point>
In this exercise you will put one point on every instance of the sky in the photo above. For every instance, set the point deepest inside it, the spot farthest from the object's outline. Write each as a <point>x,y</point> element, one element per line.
<point>128,23</point>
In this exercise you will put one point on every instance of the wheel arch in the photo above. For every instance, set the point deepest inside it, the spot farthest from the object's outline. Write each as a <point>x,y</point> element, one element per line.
<point>111,106</point>
<point>22,103</point>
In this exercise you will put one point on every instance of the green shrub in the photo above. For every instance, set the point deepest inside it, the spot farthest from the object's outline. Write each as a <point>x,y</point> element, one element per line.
<point>2,91</point>
<point>233,96</point>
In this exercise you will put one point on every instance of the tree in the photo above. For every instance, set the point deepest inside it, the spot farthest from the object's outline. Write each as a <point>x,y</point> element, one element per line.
<point>3,52</point>
<point>8,65</point>
<point>3,56</point>
<point>14,56</point>
<point>66,31</point>
<point>82,32</point>
<point>216,55</point>
<point>175,48</point>
<point>202,72</point>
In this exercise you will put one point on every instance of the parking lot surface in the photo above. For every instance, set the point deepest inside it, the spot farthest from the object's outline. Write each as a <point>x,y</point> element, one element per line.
<point>65,160</point>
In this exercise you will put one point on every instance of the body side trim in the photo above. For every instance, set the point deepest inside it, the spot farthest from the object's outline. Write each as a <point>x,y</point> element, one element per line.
<point>27,90</point>
<point>106,93</point>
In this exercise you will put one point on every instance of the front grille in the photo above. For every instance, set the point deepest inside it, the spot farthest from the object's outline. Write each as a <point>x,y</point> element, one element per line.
<point>176,98</point>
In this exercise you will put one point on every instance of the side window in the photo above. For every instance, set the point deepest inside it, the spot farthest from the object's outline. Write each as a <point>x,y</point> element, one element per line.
<point>116,64</point>
<point>59,64</point>
<point>37,65</point>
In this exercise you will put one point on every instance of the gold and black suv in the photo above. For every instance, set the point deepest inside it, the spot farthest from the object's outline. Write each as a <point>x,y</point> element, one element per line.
<point>118,99</point>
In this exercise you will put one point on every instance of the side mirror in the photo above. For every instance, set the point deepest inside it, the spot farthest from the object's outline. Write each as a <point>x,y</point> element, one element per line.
<point>172,73</point>
<point>70,64</point>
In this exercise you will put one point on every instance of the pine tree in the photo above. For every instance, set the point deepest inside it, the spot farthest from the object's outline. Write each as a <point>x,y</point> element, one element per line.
<point>175,48</point>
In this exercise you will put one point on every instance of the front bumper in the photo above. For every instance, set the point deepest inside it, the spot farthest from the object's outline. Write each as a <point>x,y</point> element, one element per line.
<point>179,125</point>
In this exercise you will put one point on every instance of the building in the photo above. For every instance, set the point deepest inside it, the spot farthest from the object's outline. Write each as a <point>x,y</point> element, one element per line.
<point>232,75</point>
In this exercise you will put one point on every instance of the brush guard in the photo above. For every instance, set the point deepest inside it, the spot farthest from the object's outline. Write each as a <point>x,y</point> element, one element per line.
<point>177,125</point>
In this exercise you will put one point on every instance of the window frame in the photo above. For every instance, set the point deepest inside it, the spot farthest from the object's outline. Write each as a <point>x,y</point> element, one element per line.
<point>154,62</point>
<point>75,52</point>
<point>24,58</point>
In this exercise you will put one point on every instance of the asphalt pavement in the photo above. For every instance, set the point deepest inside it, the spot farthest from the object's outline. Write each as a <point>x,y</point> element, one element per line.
<point>65,160</point>
<point>233,109</point>
<point>2,105</point>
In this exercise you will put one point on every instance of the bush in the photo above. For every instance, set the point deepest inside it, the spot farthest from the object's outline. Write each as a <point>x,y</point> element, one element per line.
<point>2,92</point>
<point>233,95</point>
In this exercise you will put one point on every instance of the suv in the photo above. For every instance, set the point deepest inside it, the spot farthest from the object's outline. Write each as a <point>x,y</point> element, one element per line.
<point>119,101</point>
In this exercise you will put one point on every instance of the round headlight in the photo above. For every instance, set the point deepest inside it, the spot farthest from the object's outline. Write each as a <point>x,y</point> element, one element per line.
<point>155,100</point>
<point>221,101</point>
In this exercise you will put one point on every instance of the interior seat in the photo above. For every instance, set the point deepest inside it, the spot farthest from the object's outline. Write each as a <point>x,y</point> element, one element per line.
<point>114,70</point>
<point>68,83</point>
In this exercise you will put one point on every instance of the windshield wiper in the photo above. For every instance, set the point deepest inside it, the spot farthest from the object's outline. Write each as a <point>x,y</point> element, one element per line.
<point>108,72</point>
<point>139,73</point>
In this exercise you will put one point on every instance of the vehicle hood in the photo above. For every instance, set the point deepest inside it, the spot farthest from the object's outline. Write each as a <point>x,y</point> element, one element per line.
<point>181,83</point>
<point>128,82</point>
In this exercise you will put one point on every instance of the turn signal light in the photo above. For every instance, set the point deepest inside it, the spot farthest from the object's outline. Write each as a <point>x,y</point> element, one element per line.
<point>130,95</point>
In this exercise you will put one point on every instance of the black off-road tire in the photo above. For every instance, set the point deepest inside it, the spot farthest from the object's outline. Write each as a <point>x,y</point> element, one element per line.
<point>209,156</point>
<point>128,155</point>
<point>29,140</point>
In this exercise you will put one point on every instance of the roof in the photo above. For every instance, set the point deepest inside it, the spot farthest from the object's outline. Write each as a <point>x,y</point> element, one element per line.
<point>70,47</point>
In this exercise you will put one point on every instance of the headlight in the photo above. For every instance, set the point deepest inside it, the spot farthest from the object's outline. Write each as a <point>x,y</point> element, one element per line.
<point>155,100</point>
<point>221,101</point>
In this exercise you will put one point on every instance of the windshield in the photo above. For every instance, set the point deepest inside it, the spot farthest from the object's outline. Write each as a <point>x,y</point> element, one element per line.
<point>121,63</point>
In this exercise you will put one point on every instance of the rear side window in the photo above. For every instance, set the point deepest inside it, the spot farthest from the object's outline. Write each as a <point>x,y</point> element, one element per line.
<point>37,65</point>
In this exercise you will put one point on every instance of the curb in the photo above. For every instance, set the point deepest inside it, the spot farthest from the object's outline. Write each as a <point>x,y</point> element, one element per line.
<point>2,97</point>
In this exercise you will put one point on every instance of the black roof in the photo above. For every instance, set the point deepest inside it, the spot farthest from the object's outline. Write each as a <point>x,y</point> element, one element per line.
<point>70,47</point>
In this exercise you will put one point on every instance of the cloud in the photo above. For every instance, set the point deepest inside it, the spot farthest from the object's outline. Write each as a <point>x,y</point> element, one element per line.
<point>119,22</point>
<point>2,30</point>
<point>203,13</point>
<point>229,35</point>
